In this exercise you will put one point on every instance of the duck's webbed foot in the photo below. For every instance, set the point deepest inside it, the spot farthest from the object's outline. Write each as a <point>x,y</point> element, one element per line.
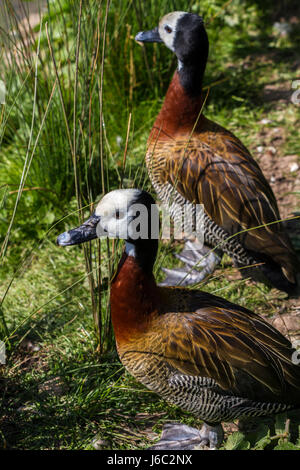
<point>199,262</point>
<point>183,437</point>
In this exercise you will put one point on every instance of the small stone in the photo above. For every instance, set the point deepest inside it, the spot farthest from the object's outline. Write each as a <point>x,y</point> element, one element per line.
<point>266,121</point>
<point>260,149</point>
<point>294,167</point>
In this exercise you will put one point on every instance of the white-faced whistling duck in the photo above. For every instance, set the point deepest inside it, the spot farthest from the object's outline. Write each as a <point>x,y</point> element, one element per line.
<point>210,357</point>
<point>192,160</point>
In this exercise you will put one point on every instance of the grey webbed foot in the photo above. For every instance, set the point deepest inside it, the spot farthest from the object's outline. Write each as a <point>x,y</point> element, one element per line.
<point>194,256</point>
<point>183,437</point>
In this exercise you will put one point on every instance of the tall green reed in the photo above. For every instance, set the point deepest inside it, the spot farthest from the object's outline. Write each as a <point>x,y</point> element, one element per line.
<point>73,116</point>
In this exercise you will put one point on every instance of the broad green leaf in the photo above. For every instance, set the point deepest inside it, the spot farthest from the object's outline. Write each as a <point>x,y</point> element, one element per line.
<point>286,446</point>
<point>237,441</point>
<point>263,442</point>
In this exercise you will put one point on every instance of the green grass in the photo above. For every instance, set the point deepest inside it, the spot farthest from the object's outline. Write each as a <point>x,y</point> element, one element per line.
<point>62,386</point>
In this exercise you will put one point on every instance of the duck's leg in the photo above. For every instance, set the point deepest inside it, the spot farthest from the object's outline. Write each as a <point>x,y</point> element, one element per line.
<point>200,261</point>
<point>213,435</point>
<point>183,437</point>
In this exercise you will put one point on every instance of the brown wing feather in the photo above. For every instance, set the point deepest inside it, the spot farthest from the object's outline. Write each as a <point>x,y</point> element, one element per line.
<point>217,340</point>
<point>233,191</point>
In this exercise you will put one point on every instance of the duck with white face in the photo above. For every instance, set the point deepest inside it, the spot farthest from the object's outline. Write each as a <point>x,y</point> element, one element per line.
<point>192,160</point>
<point>208,356</point>
<point>130,214</point>
<point>185,35</point>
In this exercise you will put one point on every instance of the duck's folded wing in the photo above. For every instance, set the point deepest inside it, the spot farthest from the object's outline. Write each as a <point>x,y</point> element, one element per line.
<point>216,343</point>
<point>234,193</point>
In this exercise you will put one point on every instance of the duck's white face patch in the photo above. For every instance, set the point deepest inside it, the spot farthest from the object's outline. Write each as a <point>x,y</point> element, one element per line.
<point>123,215</point>
<point>167,28</point>
<point>115,213</point>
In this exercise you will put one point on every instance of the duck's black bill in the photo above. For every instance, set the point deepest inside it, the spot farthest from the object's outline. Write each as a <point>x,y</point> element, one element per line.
<point>86,232</point>
<point>149,36</point>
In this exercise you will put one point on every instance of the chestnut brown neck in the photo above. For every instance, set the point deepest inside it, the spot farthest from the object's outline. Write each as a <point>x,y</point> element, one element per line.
<point>133,298</point>
<point>179,112</point>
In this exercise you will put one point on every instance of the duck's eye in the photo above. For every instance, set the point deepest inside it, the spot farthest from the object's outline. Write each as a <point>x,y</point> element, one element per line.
<point>168,29</point>
<point>119,214</point>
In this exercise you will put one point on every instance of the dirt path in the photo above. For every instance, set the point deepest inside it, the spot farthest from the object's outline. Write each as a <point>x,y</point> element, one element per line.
<point>283,174</point>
